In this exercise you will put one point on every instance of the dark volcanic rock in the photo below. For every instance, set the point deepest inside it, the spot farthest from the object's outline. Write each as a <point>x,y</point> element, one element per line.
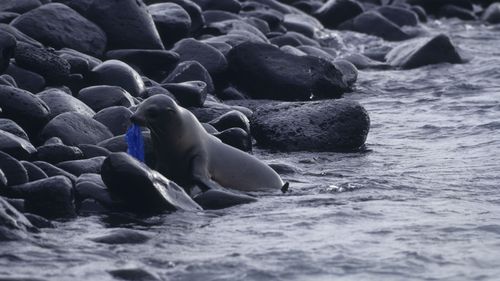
<point>374,23</point>
<point>50,198</point>
<point>16,146</point>
<point>334,125</point>
<point>236,137</point>
<point>101,97</point>
<point>74,128</point>
<point>190,71</point>
<point>34,172</point>
<point>141,188</point>
<point>25,79</point>
<point>84,166</point>
<point>59,26</point>
<point>171,20</point>
<point>265,71</point>
<point>117,73</point>
<point>492,13</point>
<point>232,6</point>
<point>19,6</point>
<point>20,37</point>
<point>91,150</point>
<point>26,109</point>
<point>194,11</point>
<point>55,153</point>
<point>433,6</point>
<point>12,127</point>
<point>212,110</point>
<point>334,12</point>
<point>60,102</point>
<point>150,62</point>
<point>452,11</point>
<point>53,68</point>
<point>399,16</point>
<point>424,51</point>
<point>211,58</point>
<point>123,236</point>
<point>231,119</point>
<point>7,49</point>
<point>13,170</point>
<point>127,24</point>
<point>53,171</point>
<point>116,118</point>
<point>188,94</point>
<point>13,224</point>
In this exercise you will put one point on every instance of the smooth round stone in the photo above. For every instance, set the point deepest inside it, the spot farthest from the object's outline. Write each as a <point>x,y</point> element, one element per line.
<point>143,189</point>
<point>492,13</point>
<point>424,51</point>
<point>59,26</point>
<point>15,146</point>
<point>236,137</point>
<point>211,58</point>
<point>399,16</point>
<point>335,12</point>
<point>188,94</point>
<point>20,37</point>
<point>7,49</point>
<point>231,119</point>
<point>7,80</point>
<point>171,20</point>
<point>127,24</point>
<point>116,118</point>
<point>75,128</point>
<point>60,102</point>
<point>373,23</point>
<point>194,11</point>
<point>19,6</point>
<point>232,6</point>
<point>349,71</point>
<point>56,153</point>
<point>23,107</point>
<point>190,71</point>
<point>117,73</point>
<point>79,62</point>
<point>123,236</point>
<point>50,198</point>
<point>53,68</point>
<point>25,79</point>
<point>91,150</point>
<point>83,166</point>
<point>101,97</point>
<point>212,16</point>
<point>34,172</point>
<point>12,169</point>
<point>7,17</point>
<point>150,62</point>
<point>13,128</point>
<point>53,171</point>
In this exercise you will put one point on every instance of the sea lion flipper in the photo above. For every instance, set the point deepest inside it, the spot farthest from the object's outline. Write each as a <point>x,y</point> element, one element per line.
<point>200,175</point>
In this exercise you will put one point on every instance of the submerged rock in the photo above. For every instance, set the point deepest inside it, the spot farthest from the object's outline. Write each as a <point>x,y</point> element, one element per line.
<point>333,125</point>
<point>123,236</point>
<point>374,23</point>
<point>492,14</point>
<point>424,51</point>
<point>143,189</point>
<point>13,224</point>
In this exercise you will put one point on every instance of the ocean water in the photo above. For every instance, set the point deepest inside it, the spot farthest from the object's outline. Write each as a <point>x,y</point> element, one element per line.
<point>421,202</point>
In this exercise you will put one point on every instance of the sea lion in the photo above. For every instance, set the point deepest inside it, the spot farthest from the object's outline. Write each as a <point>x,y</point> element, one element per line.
<point>190,156</point>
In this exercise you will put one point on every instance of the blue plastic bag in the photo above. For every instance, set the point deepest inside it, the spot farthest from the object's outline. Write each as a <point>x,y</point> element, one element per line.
<point>135,142</point>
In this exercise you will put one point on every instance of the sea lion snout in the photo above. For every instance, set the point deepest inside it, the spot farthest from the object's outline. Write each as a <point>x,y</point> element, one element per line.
<point>138,120</point>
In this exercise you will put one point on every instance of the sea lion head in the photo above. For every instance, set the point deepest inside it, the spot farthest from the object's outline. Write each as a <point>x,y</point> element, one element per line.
<point>159,113</point>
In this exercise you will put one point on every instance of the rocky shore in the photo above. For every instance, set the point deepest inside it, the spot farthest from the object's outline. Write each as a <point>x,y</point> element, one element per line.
<point>74,71</point>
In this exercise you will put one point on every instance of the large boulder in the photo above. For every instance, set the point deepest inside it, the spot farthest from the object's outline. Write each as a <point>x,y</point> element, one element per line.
<point>117,73</point>
<point>101,97</point>
<point>127,24</point>
<point>374,23</point>
<point>171,20</point>
<point>60,102</point>
<point>50,198</point>
<point>424,51</point>
<point>13,224</point>
<point>335,12</point>
<point>75,128</point>
<point>59,26</point>
<point>264,71</point>
<point>23,107</point>
<point>143,189</point>
<point>333,125</point>
<point>492,14</point>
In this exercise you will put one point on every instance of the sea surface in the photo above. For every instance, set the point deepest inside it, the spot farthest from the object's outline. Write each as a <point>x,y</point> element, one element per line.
<point>421,202</point>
